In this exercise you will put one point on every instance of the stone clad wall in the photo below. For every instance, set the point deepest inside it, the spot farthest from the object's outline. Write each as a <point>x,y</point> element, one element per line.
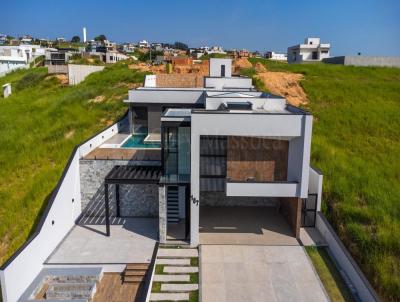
<point>135,200</point>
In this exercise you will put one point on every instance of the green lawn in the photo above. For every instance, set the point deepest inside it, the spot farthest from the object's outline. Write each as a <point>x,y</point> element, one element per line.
<point>356,144</point>
<point>39,126</point>
<point>330,277</point>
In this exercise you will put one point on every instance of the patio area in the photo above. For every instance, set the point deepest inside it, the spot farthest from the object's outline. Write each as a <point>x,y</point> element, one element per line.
<point>132,240</point>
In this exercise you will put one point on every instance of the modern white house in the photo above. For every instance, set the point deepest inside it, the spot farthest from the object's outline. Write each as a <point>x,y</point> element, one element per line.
<point>15,57</point>
<point>312,50</point>
<point>276,56</point>
<point>187,166</point>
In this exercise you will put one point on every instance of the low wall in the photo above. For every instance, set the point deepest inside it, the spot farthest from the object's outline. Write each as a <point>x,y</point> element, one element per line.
<point>346,263</point>
<point>315,185</point>
<point>57,69</point>
<point>62,209</point>
<point>78,73</point>
<point>364,61</point>
<point>139,200</point>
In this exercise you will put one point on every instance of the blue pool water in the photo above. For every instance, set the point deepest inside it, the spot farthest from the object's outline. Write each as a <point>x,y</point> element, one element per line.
<point>137,141</point>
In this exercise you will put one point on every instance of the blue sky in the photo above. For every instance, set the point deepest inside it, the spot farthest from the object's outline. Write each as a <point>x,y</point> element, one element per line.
<point>371,27</point>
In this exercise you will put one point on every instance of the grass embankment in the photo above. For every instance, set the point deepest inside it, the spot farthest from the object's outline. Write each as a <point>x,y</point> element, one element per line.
<point>39,126</point>
<point>356,144</point>
<point>330,277</point>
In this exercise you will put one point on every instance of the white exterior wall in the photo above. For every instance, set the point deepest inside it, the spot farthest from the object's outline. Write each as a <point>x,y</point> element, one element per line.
<point>215,67</point>
<point>78,73</point>
<point>278,126</point>
<point>22,270</point>
<point>232,82</point>
<point>315,185</point>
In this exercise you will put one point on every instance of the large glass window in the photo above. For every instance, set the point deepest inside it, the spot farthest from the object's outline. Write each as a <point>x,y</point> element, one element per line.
<point>176,152</point>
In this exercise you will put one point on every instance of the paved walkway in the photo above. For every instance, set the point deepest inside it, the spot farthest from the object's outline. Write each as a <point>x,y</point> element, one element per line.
<point>175,280</point>
<point>258,273</point>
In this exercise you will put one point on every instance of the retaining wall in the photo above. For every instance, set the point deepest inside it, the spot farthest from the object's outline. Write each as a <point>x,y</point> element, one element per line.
<point>63,208</point>
<point>78,73</point>
<point>346,263</point>
<point>364,61</point>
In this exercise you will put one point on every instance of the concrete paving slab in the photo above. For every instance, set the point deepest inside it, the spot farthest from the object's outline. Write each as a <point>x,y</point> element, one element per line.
<point>180,269</point>
<point>177,253</point>
<point>171,278</point>
<point>169,297</point>
<point>131,241</point>
<point>173,261</point>
<point>171,287</point>
<point>259,273</point>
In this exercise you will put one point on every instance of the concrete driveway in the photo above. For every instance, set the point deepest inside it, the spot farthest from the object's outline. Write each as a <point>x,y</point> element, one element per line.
<point>258,273</point>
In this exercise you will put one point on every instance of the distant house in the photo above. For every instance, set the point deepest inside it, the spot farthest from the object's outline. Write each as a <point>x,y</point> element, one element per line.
<point>144,44</point>
<point>276,56</point>
<point>244,53</point>
<point>59,56</point>
<point>114,56</point>
<point>3,39</point>
<point>311,51</point>
<point>15,57</point>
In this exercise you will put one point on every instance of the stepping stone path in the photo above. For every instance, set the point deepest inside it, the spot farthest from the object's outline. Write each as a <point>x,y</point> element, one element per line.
<point>177,269</point>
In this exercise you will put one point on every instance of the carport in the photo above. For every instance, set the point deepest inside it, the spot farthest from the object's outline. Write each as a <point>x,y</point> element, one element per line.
<point>127,175</point>
<point>252,225</point>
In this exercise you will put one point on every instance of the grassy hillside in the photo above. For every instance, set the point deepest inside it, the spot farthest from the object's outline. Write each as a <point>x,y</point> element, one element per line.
<point>356,145</point>
<point>39,126</point>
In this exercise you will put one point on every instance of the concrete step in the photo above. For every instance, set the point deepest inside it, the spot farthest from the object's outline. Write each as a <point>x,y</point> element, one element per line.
<point>176,288</point>
<point>177,253</point>
<point>169,297</point>
<point>135,273</point>
<point>171,278</point>
<point>180,269</point>
<point>133,279</point>
<point>176,262</point>
<point>137,266</point>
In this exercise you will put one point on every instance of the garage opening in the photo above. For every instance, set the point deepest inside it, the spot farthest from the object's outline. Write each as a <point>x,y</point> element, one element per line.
<point>240,219</point>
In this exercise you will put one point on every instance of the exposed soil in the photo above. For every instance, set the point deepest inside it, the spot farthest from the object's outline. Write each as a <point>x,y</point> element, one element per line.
<point>69,134</point>
<point>241,63</point>
<point>97,99</point>
<point>284,84</point>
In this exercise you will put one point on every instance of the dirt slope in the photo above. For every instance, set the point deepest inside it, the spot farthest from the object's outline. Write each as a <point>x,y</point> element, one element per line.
<point>284,84</point>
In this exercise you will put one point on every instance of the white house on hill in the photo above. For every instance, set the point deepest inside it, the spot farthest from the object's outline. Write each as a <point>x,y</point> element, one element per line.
<point>311,51</point>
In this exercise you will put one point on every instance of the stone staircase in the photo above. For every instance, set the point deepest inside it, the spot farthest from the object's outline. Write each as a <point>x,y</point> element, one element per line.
<point>172,204</point>
<point>175,277</point>
<point>135,273</point>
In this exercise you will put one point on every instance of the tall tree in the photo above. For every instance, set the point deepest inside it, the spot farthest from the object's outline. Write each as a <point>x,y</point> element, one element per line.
<point>75,39</point>
<point>100,38</point>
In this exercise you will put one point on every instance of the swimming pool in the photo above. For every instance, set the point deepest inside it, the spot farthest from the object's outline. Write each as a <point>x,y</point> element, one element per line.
<point>137,141</point>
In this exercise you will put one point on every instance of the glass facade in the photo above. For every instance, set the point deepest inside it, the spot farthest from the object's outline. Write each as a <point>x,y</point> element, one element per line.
<point>176,142</point>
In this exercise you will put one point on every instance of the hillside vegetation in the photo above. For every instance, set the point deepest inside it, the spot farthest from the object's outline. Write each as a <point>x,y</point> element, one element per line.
<point>39,126</point>
<point>356,145</point>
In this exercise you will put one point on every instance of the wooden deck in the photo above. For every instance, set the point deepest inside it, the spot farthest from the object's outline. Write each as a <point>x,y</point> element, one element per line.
<point>124,154</point>
<point>112,289</point>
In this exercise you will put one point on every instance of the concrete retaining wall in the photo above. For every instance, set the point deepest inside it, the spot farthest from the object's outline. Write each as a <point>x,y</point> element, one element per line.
<point>63,208</point>
<point>346,263</point>
<point>78,73</point>
<point>364,61</point>
<point>57,69</point>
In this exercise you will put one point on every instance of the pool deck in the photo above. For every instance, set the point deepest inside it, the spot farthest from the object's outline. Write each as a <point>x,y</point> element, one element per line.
<point>125,154</point>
